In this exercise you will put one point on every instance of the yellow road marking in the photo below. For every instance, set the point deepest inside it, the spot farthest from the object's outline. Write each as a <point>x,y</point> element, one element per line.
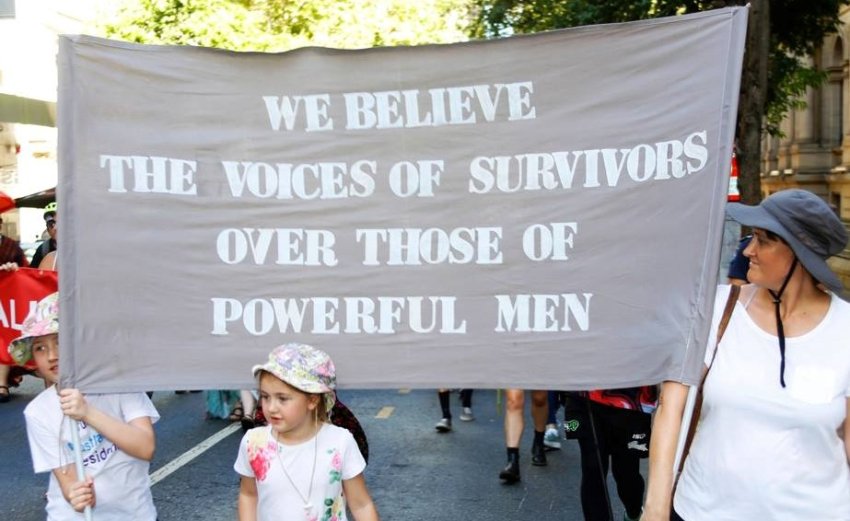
<point>385,413</point>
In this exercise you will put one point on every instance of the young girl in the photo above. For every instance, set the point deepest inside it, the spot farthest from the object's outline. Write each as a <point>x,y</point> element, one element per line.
<point>116,434</point>
<point>299,466</point>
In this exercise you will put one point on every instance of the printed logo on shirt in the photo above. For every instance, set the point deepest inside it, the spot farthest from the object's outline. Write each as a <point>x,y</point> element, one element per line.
<point>99,456</point>
<point>89,447</point>
<point>89,443</point>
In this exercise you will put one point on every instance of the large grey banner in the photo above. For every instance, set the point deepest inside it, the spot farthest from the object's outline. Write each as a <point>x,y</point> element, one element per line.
<point>541,211</point>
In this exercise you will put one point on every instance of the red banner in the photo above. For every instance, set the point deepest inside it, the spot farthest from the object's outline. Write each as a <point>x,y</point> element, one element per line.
<point>19,292</point>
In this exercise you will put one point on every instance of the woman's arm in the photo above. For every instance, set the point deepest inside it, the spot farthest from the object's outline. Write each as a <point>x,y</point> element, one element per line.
<point>135,437</point>
<point>247,504</point>
<point>662,450</point>
<point>358,499</point>
<point>48,262</point>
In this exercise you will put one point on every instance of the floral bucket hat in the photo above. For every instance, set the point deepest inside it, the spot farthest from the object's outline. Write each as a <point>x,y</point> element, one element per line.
<point>304,367</point>
<point>43,320</point>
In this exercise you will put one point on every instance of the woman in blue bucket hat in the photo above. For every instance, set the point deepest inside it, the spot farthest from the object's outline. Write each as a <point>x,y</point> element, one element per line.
<point>772,442</point>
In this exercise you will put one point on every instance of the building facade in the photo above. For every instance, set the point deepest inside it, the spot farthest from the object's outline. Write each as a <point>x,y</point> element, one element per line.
<point>814,153</point>
<point>28,79</point>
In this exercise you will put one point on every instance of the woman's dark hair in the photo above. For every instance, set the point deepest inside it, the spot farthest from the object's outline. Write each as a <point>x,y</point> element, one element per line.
<point>773,237</point>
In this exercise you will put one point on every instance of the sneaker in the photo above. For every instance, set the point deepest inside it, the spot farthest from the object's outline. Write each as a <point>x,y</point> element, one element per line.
<point>444,425</point>
<point>551,439</point>
<point>466,415</point>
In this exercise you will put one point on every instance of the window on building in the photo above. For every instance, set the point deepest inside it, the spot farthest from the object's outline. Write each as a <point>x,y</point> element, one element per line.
<point>835,202</point>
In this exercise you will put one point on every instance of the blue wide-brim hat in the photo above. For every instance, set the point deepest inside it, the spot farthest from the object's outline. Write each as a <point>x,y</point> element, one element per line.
<point>807,224</point>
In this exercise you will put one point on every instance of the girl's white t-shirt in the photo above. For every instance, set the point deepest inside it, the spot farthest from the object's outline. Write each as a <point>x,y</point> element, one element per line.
<point>122,485</point>
<point>337,459</point>
<point>766,452</point>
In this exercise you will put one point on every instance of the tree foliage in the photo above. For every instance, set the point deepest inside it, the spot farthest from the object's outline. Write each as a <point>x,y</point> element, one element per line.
<point>209,23</point>
<point>280,25</point>
<point>797,28</point>
<point>782,34</point>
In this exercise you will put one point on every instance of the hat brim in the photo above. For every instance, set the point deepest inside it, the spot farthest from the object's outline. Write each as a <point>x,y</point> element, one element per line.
<point>20,350</point>
<point>328,394</point>
<point>758,217</point>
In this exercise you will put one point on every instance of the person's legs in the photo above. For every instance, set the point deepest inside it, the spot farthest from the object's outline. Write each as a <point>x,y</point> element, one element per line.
<point>248,402</point>
<point>445,423</point>
<point>594,500</point>
<point>4,383</point>
<point>539,409</point>
<point>625,467</point>
<point>514,404</point>
<point>249,405</point>
<point>625,461</point>
<point>554,402</point>
<point>539,413</point>
<point>552,438</point>
<point>466,403</point>
<point>595,452</point>
<point>466,397</point>
<point>443,395</point>
<point>514,422</point>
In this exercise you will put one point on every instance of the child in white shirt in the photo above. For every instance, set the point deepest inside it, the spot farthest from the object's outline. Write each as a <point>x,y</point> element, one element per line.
<point>300,466</point>
<point>116,434</point>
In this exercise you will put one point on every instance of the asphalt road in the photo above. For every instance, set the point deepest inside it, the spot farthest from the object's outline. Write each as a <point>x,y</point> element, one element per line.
<point>414,473</point>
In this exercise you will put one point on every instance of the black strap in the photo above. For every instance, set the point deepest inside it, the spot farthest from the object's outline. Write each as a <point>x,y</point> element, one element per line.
<point>780,330</point>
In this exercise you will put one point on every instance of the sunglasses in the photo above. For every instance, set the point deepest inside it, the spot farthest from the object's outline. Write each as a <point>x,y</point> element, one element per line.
<point>50,224</point>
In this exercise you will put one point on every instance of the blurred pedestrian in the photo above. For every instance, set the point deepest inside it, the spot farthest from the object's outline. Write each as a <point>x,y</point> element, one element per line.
<point>445,423</point>
<point>49,244</point>
<point>11,257</point>
<point>552,436</point>
<point>614,434</point>
<point>740,264</point>
<point>249,409</point>
<point>514,425</point>
<point>10,250</point>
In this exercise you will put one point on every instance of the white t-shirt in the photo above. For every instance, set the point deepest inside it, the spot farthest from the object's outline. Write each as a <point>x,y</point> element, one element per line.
<point>337,459</point>
<point>121,482</point>
<point>761,451</point>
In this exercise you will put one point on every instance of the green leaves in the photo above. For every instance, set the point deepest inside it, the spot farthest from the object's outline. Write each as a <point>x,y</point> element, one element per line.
<point>279,25</point>
<point>798,28</point>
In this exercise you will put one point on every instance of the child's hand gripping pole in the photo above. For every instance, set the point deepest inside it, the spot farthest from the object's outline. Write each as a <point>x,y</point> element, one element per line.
<point>78,461</point>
